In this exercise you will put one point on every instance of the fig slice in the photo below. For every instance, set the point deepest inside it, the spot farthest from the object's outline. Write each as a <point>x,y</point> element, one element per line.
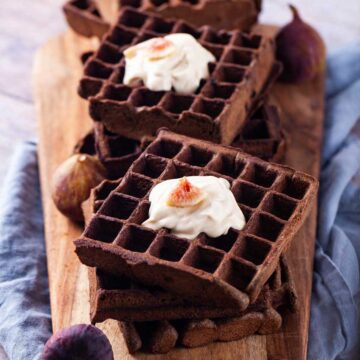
<point>185,194</point>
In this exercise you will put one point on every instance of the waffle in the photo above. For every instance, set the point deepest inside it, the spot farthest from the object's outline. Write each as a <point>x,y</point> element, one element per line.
<point>115,152</point>
<point>218,109</point>
<point>161,336</point>
<point>121,298</point>
<point>220,14</point>
<point>86,145</point>
<point>262,136</point>
<point>229,270</point>
<point>85,18</point>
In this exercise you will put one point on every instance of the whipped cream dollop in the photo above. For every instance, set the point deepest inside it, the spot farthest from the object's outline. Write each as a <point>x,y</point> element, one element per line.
<point>194,204</point>
<point>176,60</point>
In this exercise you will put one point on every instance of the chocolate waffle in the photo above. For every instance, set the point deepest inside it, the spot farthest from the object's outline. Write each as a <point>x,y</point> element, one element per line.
<point>115,152</point>
<point>230,270</point>
<point>265,316</point>
<point>218,109</point>
<point>220,14</point>
<point>262,136</point>
<point>85,18</point>
<point>163,335</point>
<point>121,298</point>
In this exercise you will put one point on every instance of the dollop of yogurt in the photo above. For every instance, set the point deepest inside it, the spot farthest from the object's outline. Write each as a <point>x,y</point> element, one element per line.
<point>175,61</point>
<point>194,205</point>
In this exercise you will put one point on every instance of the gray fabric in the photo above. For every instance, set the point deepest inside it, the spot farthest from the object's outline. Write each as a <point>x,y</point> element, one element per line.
<point>25,322</point>
<point>24,303</point>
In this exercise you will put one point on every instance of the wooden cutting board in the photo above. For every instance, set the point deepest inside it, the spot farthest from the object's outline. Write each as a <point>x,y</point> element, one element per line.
<point>63,119</point>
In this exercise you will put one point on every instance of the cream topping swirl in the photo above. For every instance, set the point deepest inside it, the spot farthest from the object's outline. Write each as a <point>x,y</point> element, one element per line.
<point>211,208</point>
<point>176,60</point>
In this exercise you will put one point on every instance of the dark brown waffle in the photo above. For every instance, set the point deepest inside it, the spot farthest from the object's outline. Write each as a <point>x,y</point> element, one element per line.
<point>216,112</point>
<point>230,270</point>
<point>262,135</point>
<point>85,18</point>
<point>121,298</point>
<point>115,152</point>
<point>163,335</point>
<point>220,14</point>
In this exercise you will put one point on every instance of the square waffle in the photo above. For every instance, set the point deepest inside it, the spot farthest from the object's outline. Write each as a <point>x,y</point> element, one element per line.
<point>115,152</point>
<point>161,336</point>
<point>262,136</point>
<point>120,298</point>
<point>218,109</point>
<point>85,18</point>
<point>220,14</point>
<point>230,270</point>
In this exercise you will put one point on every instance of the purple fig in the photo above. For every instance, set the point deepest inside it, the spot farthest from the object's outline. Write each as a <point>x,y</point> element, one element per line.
<point>301,50</point>
<point>78,342</point>
<point>73,181</point>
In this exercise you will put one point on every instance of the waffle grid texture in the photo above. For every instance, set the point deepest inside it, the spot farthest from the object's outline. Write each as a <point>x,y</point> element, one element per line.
<point>120,298</point>
<point>218,109</point>
<point>147,314</point>
<point>262,136</point>
<point>85,18</point>
<point>229,270</point>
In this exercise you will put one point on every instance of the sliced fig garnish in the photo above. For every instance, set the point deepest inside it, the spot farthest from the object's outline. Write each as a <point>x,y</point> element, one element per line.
<point>185,194</point>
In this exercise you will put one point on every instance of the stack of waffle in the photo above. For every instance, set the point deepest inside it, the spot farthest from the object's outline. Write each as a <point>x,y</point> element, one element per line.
<point>163,290</point>
<point>167,291</point>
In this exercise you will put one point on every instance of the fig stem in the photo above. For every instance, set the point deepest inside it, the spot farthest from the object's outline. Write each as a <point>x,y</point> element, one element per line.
<point>295,12</point>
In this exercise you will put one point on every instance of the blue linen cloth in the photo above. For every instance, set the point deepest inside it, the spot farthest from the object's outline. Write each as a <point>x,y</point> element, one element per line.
<point>25,322</point>
<point>334,330</point>
<point>334,326</point>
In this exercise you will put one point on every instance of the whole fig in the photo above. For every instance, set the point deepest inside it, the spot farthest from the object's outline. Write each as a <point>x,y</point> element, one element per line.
<point>301,50</point>
<point>78,342</point>
<point>73,181</point>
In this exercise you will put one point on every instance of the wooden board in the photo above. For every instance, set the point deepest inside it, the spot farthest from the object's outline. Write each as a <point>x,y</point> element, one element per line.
<point>63,119</point>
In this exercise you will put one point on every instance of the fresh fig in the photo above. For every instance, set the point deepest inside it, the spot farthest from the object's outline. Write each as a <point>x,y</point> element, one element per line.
<point>78,342</point>
<point>73,181</point>
<point>301,50</point>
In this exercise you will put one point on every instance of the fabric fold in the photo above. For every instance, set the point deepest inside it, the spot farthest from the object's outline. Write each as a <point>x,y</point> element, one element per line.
<point>24,296</point>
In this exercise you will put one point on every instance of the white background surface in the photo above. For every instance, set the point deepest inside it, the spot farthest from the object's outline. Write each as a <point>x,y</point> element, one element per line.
<point>25,25</point>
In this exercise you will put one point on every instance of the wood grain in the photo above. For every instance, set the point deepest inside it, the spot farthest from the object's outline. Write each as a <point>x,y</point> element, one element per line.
<point>63,118</point>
